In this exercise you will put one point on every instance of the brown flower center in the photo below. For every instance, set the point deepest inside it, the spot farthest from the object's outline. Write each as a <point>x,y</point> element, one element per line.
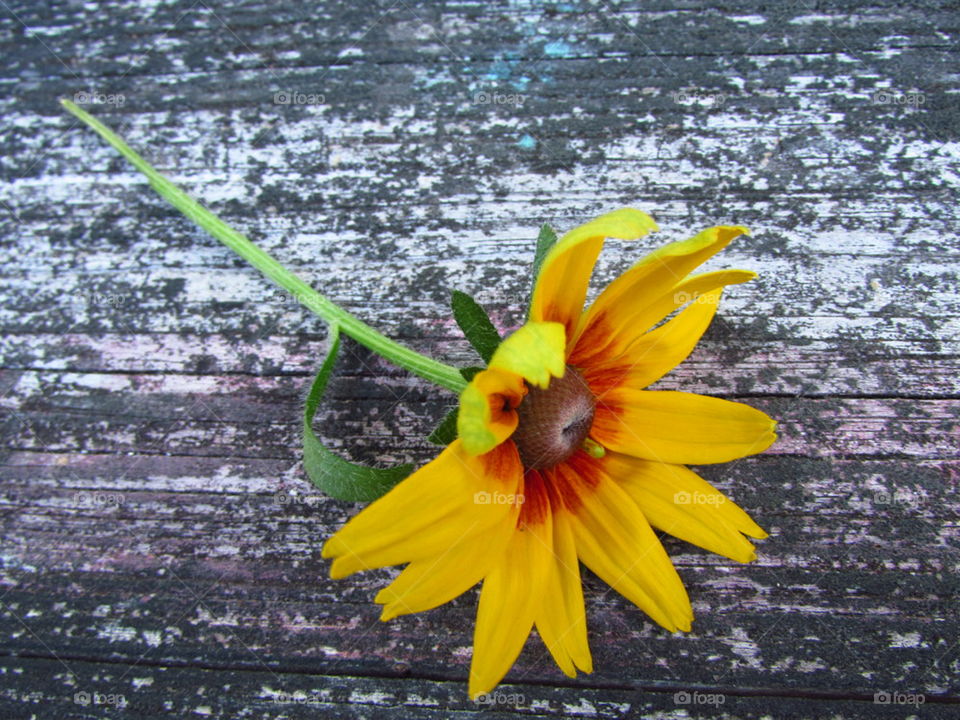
<point>554,422</point>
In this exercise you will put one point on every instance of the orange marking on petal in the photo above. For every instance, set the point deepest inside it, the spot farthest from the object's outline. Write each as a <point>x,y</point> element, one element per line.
<point>602,379</point>
<point>606,421</point>
<point>536,502</point>
<point>502,463</point>
<point>562,493</point>
<point>568,481</point>
<point>586,468</point>
<point>592,344</point>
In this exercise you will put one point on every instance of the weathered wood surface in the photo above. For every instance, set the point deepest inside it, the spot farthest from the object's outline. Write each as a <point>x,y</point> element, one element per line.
<point>160,541</point>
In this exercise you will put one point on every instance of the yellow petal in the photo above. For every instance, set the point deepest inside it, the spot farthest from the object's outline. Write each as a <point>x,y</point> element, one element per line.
<point>534,353</point>
<point>680,428</point>
<point>614,539</point>
<point>427,512</point>
<point>508,602</point>
<point>433,581</point>
<point>612,332</point>
<point>561,286</point>
<point>676,500</point>
<point>655,353</point>
<point>653,277</point>
<point>561,619</point>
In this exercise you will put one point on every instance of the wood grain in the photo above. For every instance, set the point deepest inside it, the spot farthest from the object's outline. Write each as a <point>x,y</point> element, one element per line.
<point>160,542</point>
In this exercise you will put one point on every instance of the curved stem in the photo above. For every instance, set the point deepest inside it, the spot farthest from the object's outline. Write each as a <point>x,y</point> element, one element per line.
<point>437,372</point>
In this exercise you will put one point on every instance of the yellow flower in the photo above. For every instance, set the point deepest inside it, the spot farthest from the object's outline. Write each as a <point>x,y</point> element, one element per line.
<point>562,457</point>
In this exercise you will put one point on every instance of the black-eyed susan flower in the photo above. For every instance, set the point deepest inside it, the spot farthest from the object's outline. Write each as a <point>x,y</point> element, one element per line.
<point>563,456</point>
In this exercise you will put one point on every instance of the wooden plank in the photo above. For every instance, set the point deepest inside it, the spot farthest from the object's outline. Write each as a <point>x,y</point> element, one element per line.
<point>150,690</point>
<point>220,560</point>
<point>835,368</point>
<point>254,416</point>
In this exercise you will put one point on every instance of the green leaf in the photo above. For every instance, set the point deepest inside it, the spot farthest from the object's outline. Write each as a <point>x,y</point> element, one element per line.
<point>476,325</point>
<point>545,240</point>
<point>469,373</point>
<point>337,477</point>
<point>446,432</point>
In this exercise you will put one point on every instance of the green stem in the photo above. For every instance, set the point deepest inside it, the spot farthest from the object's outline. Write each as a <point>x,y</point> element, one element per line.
<point>437,372</point>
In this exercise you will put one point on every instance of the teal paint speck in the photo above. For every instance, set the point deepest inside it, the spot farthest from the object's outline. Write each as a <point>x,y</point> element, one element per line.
<point>557,48</point>
<point>527,142</point>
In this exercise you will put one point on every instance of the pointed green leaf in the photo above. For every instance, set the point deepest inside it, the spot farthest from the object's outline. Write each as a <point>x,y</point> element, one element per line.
<point>469,373</point>
<point>337,477</point>
<point>476,325</point>
<point>446,432</point>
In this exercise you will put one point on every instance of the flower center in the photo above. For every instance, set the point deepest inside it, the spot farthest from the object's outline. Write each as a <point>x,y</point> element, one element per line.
<point>554,422</point>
